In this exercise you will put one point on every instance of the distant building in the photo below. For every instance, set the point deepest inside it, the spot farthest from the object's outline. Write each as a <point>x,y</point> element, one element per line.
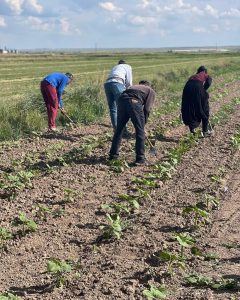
<point>5,51</point>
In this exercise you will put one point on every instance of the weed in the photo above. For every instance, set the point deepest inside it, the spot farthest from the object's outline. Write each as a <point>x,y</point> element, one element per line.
<point>156,293</point>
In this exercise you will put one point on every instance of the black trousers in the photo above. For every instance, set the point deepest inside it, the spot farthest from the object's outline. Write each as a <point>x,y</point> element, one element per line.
<point>129,109</point>
<point>196,124</point>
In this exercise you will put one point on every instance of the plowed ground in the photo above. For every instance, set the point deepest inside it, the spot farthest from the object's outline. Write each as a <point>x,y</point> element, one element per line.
<point>121,269</point>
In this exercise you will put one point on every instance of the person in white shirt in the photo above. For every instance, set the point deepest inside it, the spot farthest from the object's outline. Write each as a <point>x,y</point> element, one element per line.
<point>119,79</point>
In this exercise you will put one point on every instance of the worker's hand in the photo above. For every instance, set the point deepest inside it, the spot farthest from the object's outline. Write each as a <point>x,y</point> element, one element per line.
<point>62,110</point>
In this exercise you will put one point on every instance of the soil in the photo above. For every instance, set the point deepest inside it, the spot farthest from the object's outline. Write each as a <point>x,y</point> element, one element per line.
<point>121,268</point>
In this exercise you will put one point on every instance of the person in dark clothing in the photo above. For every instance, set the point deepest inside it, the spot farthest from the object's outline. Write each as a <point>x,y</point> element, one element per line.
<point>195,105</point>
<point>135,103</point>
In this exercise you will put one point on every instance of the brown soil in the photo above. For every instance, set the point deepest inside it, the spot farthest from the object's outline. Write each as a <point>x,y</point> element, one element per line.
<point>121,269</point>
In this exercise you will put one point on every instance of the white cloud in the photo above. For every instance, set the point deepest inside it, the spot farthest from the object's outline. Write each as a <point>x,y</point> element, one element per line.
<point>65,26</point>
<point>37,23</point>
<point>138,20</point>
<point>116,12</point>
<point>110,6</point>
<point>34,5</point>
<point>2,22</point>
<point>15,6</point>
<point>211,11</point>
<point>199,29</point>
<point>232,12</point>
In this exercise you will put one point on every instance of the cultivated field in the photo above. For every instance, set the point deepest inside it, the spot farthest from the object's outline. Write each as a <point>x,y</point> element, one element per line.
<point>74,226</point>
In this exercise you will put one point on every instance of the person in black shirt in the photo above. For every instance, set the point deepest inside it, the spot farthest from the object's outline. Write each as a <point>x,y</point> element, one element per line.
<point>135,103</point>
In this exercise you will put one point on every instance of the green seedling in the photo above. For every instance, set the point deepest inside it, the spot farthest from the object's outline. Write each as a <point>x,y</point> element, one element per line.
<point>143,182</point>
<point>27,224</point>
<point>69,195</point>
<point>172,260</point>
<point>131,200</point>
<point>211,201</point>
<point>216,284</point>
<point>13,183</point>
<point>116,208</point>
<point>118,166</point>
<point>58,212</point>
<point>156,293</point>
<point>231,245</point>
<point>9,296</point>
<point>165,170</point>
<point>41,211</point>
<point>200,215</point>
<point>185,240</point>
<point>58,268</point>
<point>216,179</point>
<point>208,256</point>
<point>114,227</point>
<point>235,141</point>
<point>4,236</point>
<point>143,194</point>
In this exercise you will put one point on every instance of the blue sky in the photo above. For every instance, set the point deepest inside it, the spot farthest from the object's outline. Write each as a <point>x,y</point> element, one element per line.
<point>30,24</point>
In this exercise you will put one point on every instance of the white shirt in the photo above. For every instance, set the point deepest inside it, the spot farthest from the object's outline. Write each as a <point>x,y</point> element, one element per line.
<point>121,73</point>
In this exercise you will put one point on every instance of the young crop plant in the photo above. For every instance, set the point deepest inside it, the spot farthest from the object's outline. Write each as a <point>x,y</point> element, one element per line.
<point>27,224</point>
<point>216,284</point>
<point>114,227</point>
<point>116,208</point>
<point>4,236</point>
<point>58,269</point>
<point>235,141</point>
<point>144,183</point>
<point>118,165</point>
<point>200,216</point>
<point>211,201</point>
<point>132,200</point>
<point>41,211</point>
<point>173,261</point>
<point>156,293</point>
<point>185,241</point>
<point>9,296</point>
<point>13,183</point>
<point>69,195</point>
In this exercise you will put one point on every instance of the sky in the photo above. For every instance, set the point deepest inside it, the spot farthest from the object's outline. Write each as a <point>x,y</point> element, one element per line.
<point>34,24</point>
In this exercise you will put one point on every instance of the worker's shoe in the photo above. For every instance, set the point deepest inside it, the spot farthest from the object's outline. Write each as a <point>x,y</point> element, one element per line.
<point>52,129</point>
<point>142,162</point>
<point>113,156</point>
<point>208,133</point>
